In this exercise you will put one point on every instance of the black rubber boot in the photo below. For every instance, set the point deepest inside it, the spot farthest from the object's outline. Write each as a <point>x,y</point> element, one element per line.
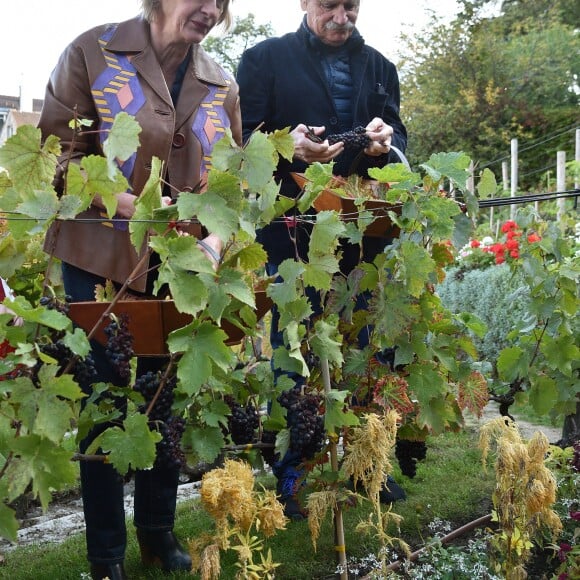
<point>110,571</point>
<point>162,549</point>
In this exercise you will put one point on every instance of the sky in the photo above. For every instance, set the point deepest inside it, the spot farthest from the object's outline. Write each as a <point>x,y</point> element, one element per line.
<point>35,32</point>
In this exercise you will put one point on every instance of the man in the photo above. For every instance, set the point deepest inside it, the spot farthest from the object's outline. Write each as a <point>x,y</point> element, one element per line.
<point>318,81</point>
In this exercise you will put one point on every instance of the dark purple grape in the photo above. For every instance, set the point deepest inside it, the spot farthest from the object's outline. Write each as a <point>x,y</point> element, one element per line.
<point>355,139</point>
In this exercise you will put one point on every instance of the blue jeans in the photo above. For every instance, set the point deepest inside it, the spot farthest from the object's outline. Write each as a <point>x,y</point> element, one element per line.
<point>102,487</point>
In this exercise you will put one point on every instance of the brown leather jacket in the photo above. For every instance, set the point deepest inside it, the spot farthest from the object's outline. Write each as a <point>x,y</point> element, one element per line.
<point>113,68</point>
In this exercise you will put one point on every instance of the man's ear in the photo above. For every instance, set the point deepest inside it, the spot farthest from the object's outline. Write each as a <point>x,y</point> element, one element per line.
<point>304,4</point>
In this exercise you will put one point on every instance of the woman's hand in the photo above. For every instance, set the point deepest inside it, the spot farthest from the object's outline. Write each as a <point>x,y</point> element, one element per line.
<point>380,135</point>
<point>309,151</point>
<point>125,204</point>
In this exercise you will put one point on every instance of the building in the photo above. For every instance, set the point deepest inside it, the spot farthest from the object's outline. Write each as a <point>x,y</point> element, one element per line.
<point>12,116</point>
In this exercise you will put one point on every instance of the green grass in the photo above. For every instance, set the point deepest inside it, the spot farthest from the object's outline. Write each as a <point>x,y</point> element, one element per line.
<point>450,484</point>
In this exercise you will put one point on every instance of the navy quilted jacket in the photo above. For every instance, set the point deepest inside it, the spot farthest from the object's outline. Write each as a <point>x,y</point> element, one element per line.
<point>283,83</point>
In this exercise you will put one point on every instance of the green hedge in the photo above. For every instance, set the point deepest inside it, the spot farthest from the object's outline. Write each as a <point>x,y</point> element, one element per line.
<point>496,295</point>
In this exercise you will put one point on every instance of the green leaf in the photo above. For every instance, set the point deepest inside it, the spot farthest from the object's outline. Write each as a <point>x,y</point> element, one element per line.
<point>8,523</point>
<point>561,353</point>
<point>211,211</point>
<point>40,205</point>
<point>122,141</point>
<point>206,443</point>
<point>148,201</point>
<point>215,414</point>
<point>259,161</point>
<point>46,466</point>
<point>283,142</point>
<point>416,267</point>
<point>326,342</point>
<point>202,347</point>
<point>326,233</point>
<point>543,393</point>
<point>512,363</point>
<point>335,415</point>
<point>283,293</point>
<point>133,446</point>
<point>78,342</point>
<point>452,165</point>
<point>487,185</point>
<point>104,180</point>
<point>30,166</point>
<point>248,258</point>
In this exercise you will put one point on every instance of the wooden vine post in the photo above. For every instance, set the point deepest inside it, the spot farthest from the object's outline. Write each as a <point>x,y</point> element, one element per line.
<point>339,544</point>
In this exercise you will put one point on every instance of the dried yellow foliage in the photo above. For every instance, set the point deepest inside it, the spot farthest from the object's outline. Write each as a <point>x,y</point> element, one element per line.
<point>240,513</point>
<point>367,456</point>
<point>524,494</point>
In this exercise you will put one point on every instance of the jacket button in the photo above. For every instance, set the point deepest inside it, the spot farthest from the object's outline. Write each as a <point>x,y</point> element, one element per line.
<point>333,120</point>
<point>187,189</point>
<point>178,140</point>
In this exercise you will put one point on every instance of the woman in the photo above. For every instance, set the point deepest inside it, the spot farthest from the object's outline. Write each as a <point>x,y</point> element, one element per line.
<point>153,68</point>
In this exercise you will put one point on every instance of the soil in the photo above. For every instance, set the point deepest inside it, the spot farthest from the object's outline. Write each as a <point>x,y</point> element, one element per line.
<point>65,516</point>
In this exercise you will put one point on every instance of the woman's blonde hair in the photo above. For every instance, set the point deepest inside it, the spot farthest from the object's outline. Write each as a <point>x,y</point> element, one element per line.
<point>150,7</point>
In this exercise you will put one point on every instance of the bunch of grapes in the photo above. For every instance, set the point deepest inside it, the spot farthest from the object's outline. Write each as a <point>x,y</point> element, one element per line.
<point>169,451</point>
<point>54,303</point>
<point>82,370</point>
<point>355,139</point>
<point>119,347</point>
<point>408,452</point>
<point>269,453</point>
<point>148,384</point>
<point>304,420</point>
<point>242,422</point>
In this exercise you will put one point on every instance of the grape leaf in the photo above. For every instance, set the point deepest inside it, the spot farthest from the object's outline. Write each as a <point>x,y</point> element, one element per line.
<point>148,201</point>
<point>210,210</point>
<point>543,393</point>
<point>29,165</point>
<point>335,413</point>
<point>326,342</point>
<point>8,522</point>
<point>122,141</point>
<point>102,180</point>
<point>203,346</point>
<point>46,466</point>
<point>416,266</point>
<point>259,160</point>
<point>325,234</point>
<point>206,442</point>
<point>132,446</point>
<point>512,363</point>
<point>453,165</point>
<point>560,352</point>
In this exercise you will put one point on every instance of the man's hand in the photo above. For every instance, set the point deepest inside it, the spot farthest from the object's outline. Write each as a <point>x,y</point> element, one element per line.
<point>308,150</point>
<point>380,135</point>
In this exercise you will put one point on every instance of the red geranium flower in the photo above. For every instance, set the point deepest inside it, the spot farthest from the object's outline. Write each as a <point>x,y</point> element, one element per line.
<point>475,243</point>
<point>533,238</point>
<point>508,226</point>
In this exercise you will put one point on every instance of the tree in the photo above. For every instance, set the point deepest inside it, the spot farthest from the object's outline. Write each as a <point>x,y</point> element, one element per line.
<point>478,82</point>
<point>228,49</point>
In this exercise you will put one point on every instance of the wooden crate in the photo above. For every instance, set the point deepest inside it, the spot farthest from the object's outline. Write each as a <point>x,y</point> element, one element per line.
<point>151,321</point>
<point>328,200</point>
